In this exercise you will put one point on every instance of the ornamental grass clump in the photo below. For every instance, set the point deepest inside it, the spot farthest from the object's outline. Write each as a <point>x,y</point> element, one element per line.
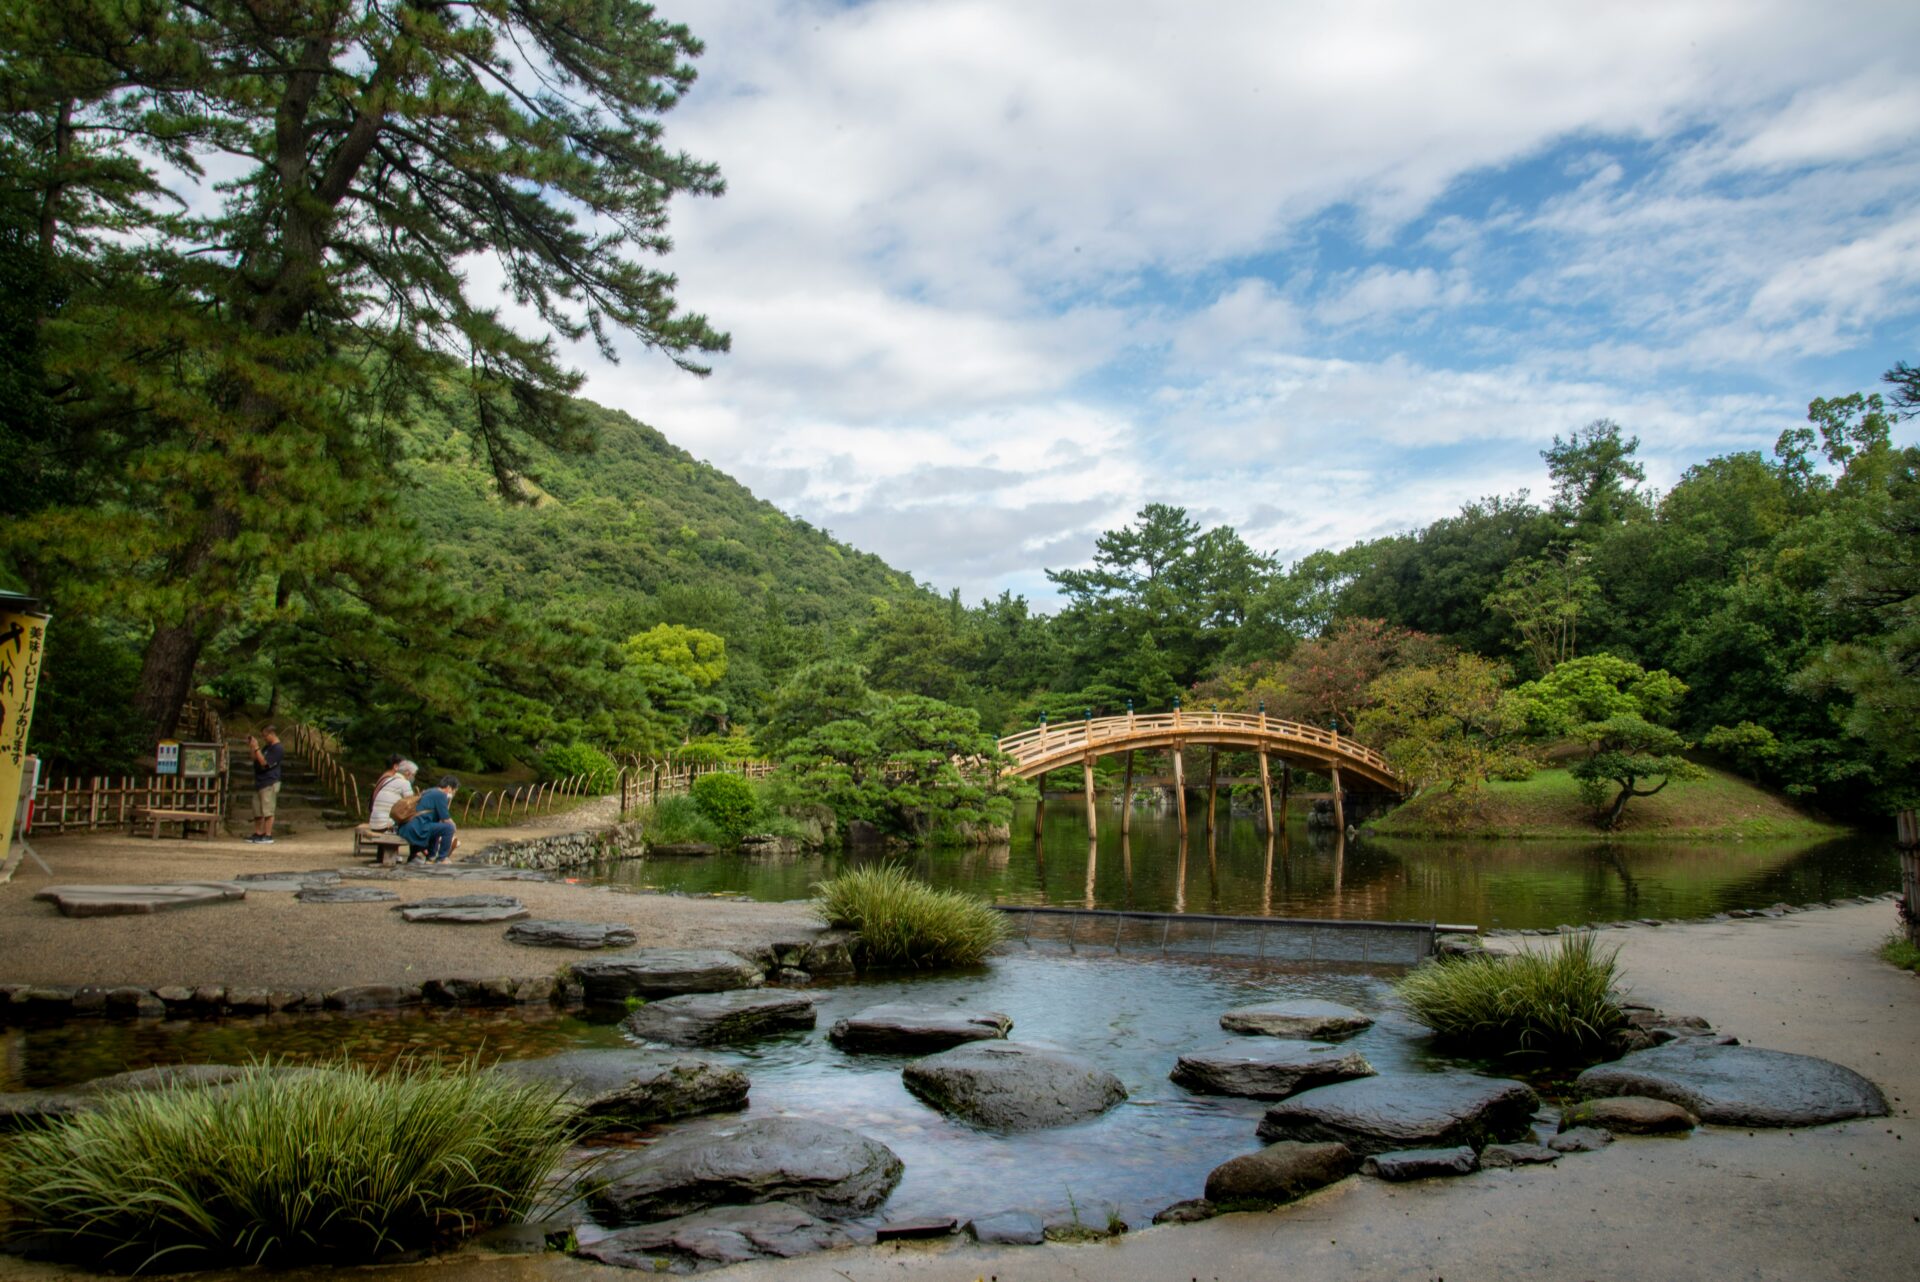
<point>905,922</point>
<point>1558,1003</point>
<point>338,1164</point>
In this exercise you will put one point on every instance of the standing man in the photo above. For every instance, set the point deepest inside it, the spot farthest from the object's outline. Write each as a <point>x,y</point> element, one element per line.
<point>266,783</point>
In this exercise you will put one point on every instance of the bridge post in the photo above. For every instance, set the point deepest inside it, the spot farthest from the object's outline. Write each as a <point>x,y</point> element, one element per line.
<point>1126,795</point>
<point>1039,810</point>
<point>1339,805</point>
<point>1286,790</point>
<point>1093,822</point>
<point>1213,781</point>
<point>1180,787</point>
<point>1266,788</point>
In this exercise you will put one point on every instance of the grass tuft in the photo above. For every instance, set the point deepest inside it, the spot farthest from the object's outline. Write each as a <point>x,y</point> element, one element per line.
<point>1898,952</point>
<point>678,820</point>
<point>338,1165</point>
<point>905,922</point>
<point>1556,1003</point>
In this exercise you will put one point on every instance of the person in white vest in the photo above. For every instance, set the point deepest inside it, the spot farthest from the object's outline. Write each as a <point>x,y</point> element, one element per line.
<point>394,785</point>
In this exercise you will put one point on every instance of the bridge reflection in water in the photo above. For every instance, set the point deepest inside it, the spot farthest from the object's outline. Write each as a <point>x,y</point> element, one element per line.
<point>1036,753</point>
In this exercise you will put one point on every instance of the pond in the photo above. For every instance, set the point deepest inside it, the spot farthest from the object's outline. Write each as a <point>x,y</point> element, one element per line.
<point>1133,1017</point>
<point>1517,884</point>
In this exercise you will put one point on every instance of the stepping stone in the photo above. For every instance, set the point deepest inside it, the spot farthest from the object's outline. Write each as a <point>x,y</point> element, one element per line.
<point>25,1108</point>
<point>1503,1155</point>
<point>823,1170</point>
<point>1738,1085</point>
<point>1008,1228</point>
<point>1268,1067</point>
<point>287,881</point>
<point>1406,1110</point>
<point>906,1026</point>
<point>721,1236</point>
<point>345,895</point>
<point>1005,1086</point>
<point>468,910</point>
<point>1421,1163</point>
<point>665,972</point>
<point>707,1019</point>
<point>1581,1139</point>
<point>1191,1211</point>
<point>108,899</point>
<point>1296,1017</point>
<point>635,1087</point>
<point>584,935</point>
<point>1630,1115</point>
<point>1280,1172</point>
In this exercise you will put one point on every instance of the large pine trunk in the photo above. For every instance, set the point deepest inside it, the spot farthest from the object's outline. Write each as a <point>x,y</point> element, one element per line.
<point>166,676</point>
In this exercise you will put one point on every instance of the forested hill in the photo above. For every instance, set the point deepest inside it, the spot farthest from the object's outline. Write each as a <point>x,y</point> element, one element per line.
<point>610,533</point>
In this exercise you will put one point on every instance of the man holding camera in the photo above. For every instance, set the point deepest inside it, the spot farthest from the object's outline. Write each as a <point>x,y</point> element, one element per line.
<point>266,783</point>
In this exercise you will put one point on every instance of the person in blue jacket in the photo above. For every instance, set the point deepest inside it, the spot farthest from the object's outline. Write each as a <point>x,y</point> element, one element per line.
<point>431,828</point>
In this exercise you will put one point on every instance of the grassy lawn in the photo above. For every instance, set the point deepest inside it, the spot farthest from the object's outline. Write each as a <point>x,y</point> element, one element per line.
<point>1721,806</point>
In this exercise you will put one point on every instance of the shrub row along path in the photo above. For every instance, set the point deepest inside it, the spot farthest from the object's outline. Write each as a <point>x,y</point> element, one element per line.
<point>273,940</point>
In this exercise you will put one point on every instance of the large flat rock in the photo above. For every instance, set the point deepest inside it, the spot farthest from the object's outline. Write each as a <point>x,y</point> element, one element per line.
<point>1005,1086</point>
<point>1268,1067</point>
<point>708,1019</point>
<point>824,1170</point>
<point>665,972</point>
<point>724,1235</point>
<point>916,1029</point>
<point>1296,1017</point>
<point>635,1087</point>
<point>334,894</point>
<point>464,910</point>
<point>584,935</point>
<point>132,899</point>
<point>1406,1110</point>
<point>1738,1085</point>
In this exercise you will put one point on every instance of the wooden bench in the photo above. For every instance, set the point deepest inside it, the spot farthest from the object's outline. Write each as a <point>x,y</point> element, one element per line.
<point>154,816</point>
<point>387,847</point>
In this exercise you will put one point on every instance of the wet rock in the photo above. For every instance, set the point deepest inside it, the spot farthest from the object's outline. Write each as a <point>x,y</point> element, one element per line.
<point>471,992</point>
<point>722,1236</point>
<point>1405,1110</point>
<point>1280,1172</point>
<point>1738,1085</point>
<point>134,900</point>
<point>1297,1017</point>
<point>1421,1163</point>
<point>823,1170</point>
<point>129,1003</point>
<point>664,972</point>
<point>635,1087</point>
<point>682,849</point>
<point>707,1019</point>
<point>346,895</point>
<point>1629,1115</point>
<point>270,882</point>
<point>464,910</point>
<point>1268,1068</point>
<point>1502,1155</point>
<point>372,996</point>
<point>1005,1086</point>
<point>584,935</point>
<point>1581,1139</point>
<point>913,1028</point>
<point>916,1230</point>
<point>1008,1228</point>
<point>1191,1211</point>
<point>22,1108</point>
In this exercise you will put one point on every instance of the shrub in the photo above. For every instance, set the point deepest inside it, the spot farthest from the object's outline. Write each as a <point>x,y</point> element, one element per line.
<point>679,819</point>
<point>728,801</point>
<point>567,760</point>
<point>1557,1003</point>
<point>336,1164</point>
<point>905,922</point>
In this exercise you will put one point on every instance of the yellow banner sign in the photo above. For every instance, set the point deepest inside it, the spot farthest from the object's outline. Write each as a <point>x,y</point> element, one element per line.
<point>23,637</point>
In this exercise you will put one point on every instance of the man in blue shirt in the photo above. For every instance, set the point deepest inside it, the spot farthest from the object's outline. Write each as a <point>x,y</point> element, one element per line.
<point>431,828</point>
<point>266,783</point>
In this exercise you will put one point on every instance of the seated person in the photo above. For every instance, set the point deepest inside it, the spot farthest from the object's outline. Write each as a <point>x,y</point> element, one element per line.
<point>395,784</point>
<point>430,831</point>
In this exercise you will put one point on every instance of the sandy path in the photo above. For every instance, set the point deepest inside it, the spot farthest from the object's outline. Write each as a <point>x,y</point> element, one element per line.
<point>271,940</point>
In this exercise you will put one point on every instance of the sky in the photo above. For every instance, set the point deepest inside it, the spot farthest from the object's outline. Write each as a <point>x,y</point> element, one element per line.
<point>1000,272</point>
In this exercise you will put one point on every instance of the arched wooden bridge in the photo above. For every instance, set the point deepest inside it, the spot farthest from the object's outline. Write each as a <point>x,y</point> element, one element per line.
<point>1048,748</point>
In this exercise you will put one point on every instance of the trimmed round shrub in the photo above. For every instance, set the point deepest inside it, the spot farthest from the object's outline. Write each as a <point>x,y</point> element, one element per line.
<point>289,1166</point>
<point>728,802</point>
<point>902,921</point>
<point>564,761</point>
<point>1557,1003</point>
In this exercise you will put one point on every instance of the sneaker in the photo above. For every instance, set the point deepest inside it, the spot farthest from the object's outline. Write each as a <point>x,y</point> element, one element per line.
<point>263,841</point>
<point>253,839</point>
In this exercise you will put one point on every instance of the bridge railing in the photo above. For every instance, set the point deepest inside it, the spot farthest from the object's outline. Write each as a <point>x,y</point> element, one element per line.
<point>1042,741</point>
